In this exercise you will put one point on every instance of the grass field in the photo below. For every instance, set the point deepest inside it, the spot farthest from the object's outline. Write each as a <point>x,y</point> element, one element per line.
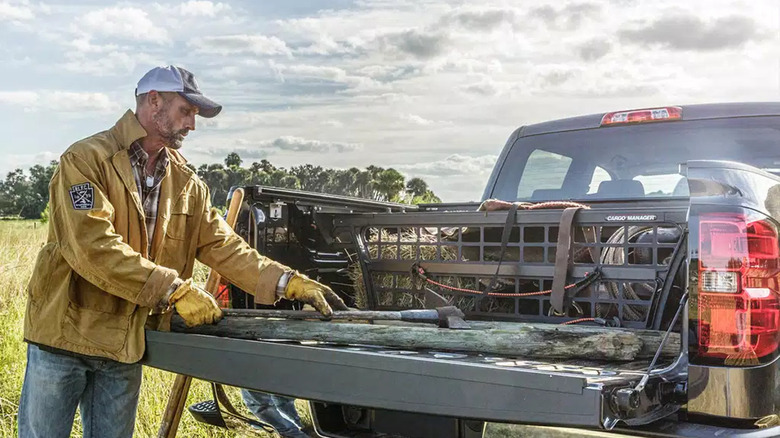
<point>19,245</point>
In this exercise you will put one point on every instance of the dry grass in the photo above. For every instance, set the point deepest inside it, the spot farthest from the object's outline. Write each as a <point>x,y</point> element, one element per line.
<point>19,245</point>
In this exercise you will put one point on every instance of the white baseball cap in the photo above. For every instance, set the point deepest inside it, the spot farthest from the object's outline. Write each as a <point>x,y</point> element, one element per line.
<point>177,79</point>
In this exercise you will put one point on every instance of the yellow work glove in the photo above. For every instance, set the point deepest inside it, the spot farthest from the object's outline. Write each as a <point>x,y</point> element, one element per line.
<point>195,305</point>
<point>304,289</point>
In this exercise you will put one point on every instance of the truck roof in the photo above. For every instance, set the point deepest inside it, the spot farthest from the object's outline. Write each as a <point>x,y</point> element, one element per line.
<point>690,112</point>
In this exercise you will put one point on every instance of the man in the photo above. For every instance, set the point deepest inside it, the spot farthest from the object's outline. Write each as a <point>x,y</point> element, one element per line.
<point>128,219</point>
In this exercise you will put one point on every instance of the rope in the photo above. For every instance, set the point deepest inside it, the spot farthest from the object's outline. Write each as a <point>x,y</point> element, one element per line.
<point>421,272</point>
<point>494,294</point>
<point>555,204</point>
<point>577,321</point>
<point>499,205</point>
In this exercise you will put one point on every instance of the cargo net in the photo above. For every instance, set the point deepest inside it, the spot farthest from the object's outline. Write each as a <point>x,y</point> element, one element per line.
<point>459,263</point>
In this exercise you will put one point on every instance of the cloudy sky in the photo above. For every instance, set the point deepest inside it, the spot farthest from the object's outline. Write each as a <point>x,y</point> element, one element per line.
<point>432,89</point>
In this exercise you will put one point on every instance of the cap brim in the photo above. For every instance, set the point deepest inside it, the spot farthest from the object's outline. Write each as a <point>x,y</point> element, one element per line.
<point>206,107</point>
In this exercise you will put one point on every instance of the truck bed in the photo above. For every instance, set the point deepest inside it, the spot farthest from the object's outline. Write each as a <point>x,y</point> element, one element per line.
<point>322,235</point>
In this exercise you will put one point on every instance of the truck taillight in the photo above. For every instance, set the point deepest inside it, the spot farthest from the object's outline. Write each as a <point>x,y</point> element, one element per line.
<point>738,311</point>
<point>664,114</point>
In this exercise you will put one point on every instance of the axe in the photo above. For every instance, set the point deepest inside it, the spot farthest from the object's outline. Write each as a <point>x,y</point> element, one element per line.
<point>446,317</point>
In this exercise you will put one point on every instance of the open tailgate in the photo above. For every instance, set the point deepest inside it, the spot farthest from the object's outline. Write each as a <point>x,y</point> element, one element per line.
<point>440,383</point>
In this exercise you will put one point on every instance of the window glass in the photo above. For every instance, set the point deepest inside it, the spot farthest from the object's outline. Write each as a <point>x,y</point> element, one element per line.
<point>543,171</point>
<point>662,185</point>
<point>599,175</point>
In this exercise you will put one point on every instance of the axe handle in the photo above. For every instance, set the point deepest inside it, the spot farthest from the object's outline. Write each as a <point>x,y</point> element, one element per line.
<point>415,315</point>
<point>212,283</point>
<point>181,386</point>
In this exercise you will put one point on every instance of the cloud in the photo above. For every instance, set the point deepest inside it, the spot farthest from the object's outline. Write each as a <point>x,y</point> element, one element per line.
<point>239,44</point>
<point>326,46</point>
<point>594,49</point>
<point>67,102</point>
<point>298,144</point>
<point>76,102</point>
<point>420,44</point>
<point>568,17</point>
<point>9,12</point>
<point>388,72</point>
<point>195,8</point>
<point>334,74</point>
<point>254,149</point>
<point>245,152</point>
<point>20,98</point>
<point>414,119</point>
<point>453,165</point>
<point>595,80</point>
<point>333,123</point>
<point>484,88</point>
<point>304,72</point>
<point>122,23</point>
<point>460,64</point>
<point>384,98</point>
<point>12,162</point>
<point>113,63</point>
<point>84,45</point>
<point>555,76</point>
<point>480,20</point>
<point>689,32</point>
<point>488,87</point>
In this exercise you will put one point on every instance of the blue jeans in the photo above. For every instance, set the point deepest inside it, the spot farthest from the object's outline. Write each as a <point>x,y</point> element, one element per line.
<point>54,384</point>
<point>276,410</point>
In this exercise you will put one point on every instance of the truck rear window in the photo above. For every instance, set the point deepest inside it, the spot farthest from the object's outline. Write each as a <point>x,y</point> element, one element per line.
<point>635,161</point>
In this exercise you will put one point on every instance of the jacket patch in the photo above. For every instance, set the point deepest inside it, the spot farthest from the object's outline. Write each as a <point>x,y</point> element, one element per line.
<point>82,196</point>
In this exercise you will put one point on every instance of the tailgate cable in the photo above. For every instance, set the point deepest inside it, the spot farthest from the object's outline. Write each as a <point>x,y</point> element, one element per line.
<point>642,383</point>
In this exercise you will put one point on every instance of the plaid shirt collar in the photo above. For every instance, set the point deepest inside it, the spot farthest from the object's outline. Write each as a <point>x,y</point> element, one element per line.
<point>139,157</point>
<point>148,185</point>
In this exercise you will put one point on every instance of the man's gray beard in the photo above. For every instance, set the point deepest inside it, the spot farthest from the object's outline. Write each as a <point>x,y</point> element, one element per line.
<point>173,140</point>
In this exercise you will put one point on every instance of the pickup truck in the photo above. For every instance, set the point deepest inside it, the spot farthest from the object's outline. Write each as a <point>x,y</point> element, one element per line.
<point>676,208</point>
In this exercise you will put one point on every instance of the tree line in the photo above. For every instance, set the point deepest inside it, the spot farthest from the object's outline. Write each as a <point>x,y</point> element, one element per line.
<point>26,194</point>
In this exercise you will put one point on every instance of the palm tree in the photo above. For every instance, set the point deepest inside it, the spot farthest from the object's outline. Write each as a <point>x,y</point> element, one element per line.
<point>266,166</point>
<point>233,160</point>
<point>389,183</point>
<point>364,183</point>
<point>416,187</point>
<point>312,178</point>
<point>290,182</point>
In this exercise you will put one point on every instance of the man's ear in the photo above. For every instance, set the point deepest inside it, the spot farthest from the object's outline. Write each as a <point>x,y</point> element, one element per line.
<point>154,100</point>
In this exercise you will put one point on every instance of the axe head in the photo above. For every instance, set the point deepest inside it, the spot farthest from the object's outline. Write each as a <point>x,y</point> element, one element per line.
<point>452,318</point>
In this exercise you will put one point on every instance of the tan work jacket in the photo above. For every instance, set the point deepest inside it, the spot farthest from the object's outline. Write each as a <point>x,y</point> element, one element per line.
<point>95,281</point>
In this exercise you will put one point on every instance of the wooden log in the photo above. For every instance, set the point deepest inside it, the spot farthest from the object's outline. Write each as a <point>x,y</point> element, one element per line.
<point>504,339</point>
<point>651,339</point>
